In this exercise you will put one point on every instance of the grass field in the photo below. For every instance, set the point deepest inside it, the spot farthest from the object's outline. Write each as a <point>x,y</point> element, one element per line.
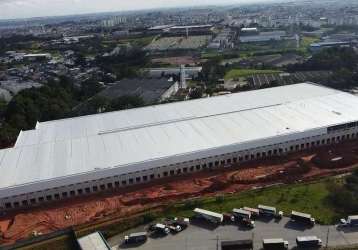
<point>310,198</point>
<point>235,73</point>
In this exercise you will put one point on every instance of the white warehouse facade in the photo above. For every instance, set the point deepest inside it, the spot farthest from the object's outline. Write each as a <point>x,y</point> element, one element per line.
<point>84,155</point>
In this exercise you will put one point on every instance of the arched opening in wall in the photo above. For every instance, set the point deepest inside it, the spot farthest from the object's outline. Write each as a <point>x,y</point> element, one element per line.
<point>64,194</point>
<point>16,204</point>
<point>145,178</point>
<point>137,179</point>
<point>41,199</point>
<point>117,184</point>
<point>24,203</point>
<point>258,155</point>
<point>57,196</point>
<point>124,183</point>
<point>109,185</point>
<point>33,201</point>
<point>191,168</point>
<point>72,193</point>
<point>87,190</point>
<point>234,159</point>
<point>79,191</point>
<point>152,176</point>
<point>95,188</point>
<point>49,197</point>
<point>185,170</point>
<point>171,172</point>
<point>8,205</point>
<point>204,166</point>
<point>131,181</point>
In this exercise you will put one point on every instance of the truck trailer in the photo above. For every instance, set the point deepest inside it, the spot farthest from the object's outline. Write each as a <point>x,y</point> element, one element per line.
<point>308,242</point>
<point>237,245</point>
<point>135,238</point>
<point>254,211</point>
<point>275,244</point>
<point>209,216</point>
<point>241,213</point>
<point>269,211</point>
<point>303,218</point>
<point>352,221</point>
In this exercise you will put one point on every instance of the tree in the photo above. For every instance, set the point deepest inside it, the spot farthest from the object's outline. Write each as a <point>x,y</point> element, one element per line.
<point>195,93</point>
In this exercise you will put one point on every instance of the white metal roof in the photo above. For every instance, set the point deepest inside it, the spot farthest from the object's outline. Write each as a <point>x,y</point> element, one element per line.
<point>94,241</point>
<point>207,212</point>
<point>307,238</point>
<point>102,145</point>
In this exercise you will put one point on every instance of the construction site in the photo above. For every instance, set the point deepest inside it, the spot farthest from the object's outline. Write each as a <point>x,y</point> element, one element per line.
<point>122,203</point>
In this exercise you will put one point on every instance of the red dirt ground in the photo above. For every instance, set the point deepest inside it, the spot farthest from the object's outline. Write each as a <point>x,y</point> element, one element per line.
<point>125,202</point>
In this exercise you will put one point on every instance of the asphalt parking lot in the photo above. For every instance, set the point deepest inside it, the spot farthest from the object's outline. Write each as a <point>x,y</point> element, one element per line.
<point>205,237</point>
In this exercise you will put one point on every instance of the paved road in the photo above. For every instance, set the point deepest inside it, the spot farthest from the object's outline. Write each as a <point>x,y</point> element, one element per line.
<point>204,237</point>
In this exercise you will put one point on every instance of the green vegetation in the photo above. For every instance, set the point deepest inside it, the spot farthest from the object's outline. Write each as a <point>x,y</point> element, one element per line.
<point>235,73</point>
<point>345,197</point>
<point>341,61</point>
<point>305,43</point>
<point>311,198</point>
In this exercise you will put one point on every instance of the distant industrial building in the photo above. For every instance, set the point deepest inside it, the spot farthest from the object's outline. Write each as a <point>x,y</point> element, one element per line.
<point>224,40</point>
<point>90,154</point>
<point>315,47</point>
<point>263,37</point>
<point>181,30</point>
<point>151,90</point>
<point>190,72</point>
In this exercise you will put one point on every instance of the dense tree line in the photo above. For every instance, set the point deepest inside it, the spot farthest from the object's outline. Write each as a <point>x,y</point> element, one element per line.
<point>343,62</point>
<point>125,64</point>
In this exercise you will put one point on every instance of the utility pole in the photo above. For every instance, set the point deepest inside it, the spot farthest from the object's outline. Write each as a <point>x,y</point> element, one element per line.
<point>217,242</point>
<point>327,238</point>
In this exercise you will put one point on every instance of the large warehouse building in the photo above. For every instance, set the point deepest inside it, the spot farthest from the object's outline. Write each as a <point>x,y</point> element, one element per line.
<point>83,155</point>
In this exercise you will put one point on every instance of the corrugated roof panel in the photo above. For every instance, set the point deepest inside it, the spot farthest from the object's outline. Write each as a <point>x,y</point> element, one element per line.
<point>79,145</point>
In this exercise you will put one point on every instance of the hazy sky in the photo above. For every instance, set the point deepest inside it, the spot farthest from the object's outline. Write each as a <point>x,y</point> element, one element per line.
<point>34,8</point>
